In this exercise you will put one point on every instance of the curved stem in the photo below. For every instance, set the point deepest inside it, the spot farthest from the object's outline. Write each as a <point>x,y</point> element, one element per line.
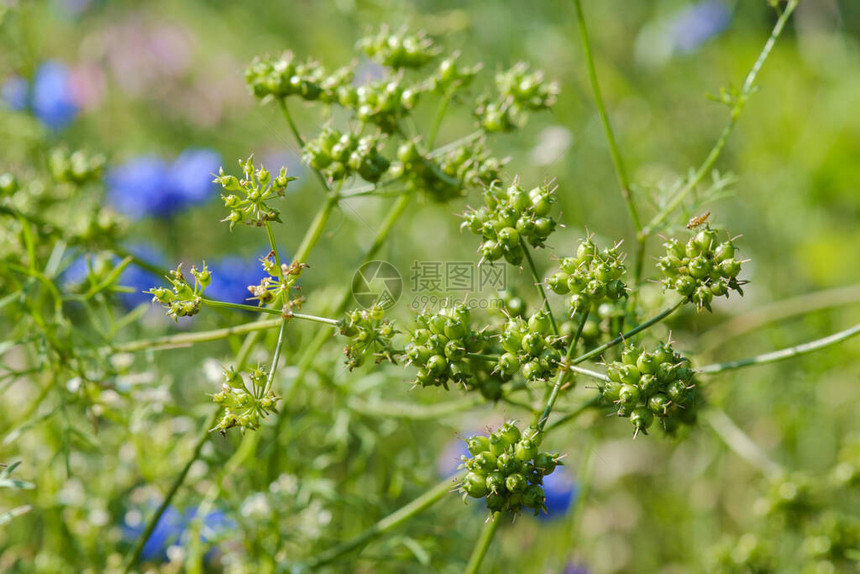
<point>391,521</point>
<point>783,354</point>
<point>620,171</point>
<point>483,543</point>
<point>738,106</point>
<point>635,330</point>
<point>539,285</point>
<point>174,488</point>
<point>275,359</point>
<point>737,440</point>
<point>778,311</point>
<point>562,373</point>
<point>588,373</point>
<point>186,339</point>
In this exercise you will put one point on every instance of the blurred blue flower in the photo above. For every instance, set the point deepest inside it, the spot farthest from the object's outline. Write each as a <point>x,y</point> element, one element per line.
<point>574,568</point>
<point>14,92</point>
<point>560,492</point>
<point>139,278</point>
<point>148,186</point>
<point>53,101</point>
<point>192,173</point>
<point>231,277</point>
<point>132,276</point>
<point>172,530</point>
<point>698,23</point>
<point>448,461</point>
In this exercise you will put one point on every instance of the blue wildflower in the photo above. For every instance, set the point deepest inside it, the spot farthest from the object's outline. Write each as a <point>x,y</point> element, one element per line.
<point>560,490</point>
<point>192,173</point>
<point>231,277</point>
<point>53,101</point>
<point>172,530</point>
<point>148,186</point>
<point>698,23</point>
<point>14,92</point>
<point>135,277</point>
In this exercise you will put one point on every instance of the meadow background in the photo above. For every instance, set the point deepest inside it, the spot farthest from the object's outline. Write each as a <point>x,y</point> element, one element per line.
<point>158,89</point>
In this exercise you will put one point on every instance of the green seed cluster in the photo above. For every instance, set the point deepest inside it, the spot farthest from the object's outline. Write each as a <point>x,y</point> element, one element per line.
<point>440,346</point>
<point>383,103</point>
<point>591,278</point>
<point>447,176</point>
<point>284,77</point>
<point>509,217</point>
<point>519,91</point>
<point>701,269</point>
<point>256,187</point>
<point>369,335</point>
<point>399,50</point>
<point>645,385</point>
<point>450,76</point>
<point>340,155</point>
<point>832,543</point>
<point>76,167</point>
<point>531,347</point>
<point>277,286</point>
<point>244,407</point>
<point>507,468</point>
<point>184,299</point>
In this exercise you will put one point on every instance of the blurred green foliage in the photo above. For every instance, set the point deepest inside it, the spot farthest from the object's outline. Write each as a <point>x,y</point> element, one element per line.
<point>158,77</point>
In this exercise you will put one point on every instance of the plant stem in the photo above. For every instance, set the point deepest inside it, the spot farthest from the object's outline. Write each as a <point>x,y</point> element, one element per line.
<point>483,544</point>
<point>778,311</point>
<point>174,488</point>
<point>562,373</point>
<point>274,245</point>
<point>391,521</point>
<point>740,442</point>
<point>275,359</point>
<point>783,354</point>
<point>289,117</point>
<point>315,230</point>
<point>635,330</point>
<point>240,307</point>
<point>437,120</point>
<point>539,285</point>
<point>589,373</point>
<point>573,415</point>
<point>738,106</point>
<point>620,171</point>
<point>186,339</point>
<point>411,411</point>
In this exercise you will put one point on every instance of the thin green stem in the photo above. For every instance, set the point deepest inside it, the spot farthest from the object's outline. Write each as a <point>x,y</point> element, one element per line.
<point>573,415</point>
<point>437,120</point>
<point>411,411</point>
<point>634,331</point>
<point>274,245</point>
<point>480,550</point>
<point>589,373</point>
<point>539,285</point>
<point>315,230</point>
<point>483,357</point>
<point>783,354</point>
<point>740,442</point>
<point>186,339</point>
<point>239,306</point>
<point>390,522</point>
<point>168,498</point>
<point>778,311</point>
<point>562,374</point>
<point>620,171</point>
<point>275,359</point>
<point>737,107</point>
<point>282,102</point>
